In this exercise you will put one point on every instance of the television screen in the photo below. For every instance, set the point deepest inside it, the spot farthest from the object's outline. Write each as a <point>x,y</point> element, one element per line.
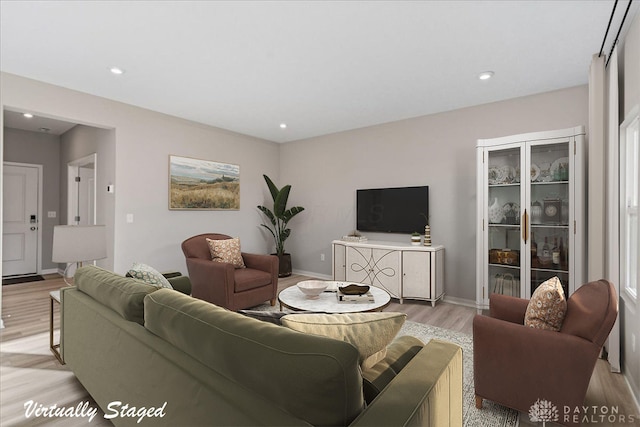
<point>392,210</point>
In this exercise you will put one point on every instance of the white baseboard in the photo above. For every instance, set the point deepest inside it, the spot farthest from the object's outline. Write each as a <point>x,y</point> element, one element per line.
<point>460,301</point>
<point>50,271</point>
<point>312,274</point>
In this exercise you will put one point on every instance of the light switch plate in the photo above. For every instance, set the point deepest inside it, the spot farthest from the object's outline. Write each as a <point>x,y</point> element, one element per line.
<point>129,218</point>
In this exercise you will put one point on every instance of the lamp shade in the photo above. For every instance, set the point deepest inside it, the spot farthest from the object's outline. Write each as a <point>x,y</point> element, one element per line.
<point>77,243</point>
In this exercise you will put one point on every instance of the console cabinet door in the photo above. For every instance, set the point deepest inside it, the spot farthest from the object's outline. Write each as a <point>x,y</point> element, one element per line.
<point>339,263</point>
<point>416,275</point>
<point>374,266</point>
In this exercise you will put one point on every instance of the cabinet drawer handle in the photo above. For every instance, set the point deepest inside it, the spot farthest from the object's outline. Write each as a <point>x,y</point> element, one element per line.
<point>525,226</point>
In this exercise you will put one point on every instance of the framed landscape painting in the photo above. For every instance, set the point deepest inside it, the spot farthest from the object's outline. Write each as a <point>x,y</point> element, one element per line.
<point>203,184</point>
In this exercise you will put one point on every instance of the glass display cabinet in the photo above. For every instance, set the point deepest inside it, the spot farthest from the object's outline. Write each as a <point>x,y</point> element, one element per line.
<point>530,212</point>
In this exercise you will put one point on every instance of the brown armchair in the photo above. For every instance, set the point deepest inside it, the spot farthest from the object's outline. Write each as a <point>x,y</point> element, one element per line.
<point>224,285</point>
<point>515,365</point>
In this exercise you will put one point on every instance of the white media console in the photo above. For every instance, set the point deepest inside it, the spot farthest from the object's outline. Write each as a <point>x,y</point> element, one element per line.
<point>403,270</point>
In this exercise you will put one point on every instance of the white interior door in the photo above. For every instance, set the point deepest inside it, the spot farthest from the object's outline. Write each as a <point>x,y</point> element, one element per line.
<point>20,220</point>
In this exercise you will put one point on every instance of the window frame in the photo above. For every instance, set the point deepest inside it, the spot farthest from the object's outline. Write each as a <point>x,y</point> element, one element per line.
<point>629,200</point>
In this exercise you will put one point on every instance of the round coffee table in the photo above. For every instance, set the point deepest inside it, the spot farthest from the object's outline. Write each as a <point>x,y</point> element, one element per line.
<point>327,302</point>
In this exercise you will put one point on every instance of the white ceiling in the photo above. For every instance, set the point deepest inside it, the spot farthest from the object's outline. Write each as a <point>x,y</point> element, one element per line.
<point>320,67</point>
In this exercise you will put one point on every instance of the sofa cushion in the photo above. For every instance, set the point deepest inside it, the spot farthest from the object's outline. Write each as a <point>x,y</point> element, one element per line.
<point>249,278</point>
<point>316,379</point>
<point>370,333</point>
<point>149,275</point>
<point>227,251</point>
<point>123,295</point>
<point>547,307</point>
<point>399,353</point>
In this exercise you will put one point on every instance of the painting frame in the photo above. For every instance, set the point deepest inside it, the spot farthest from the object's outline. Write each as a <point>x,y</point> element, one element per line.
<point>197,184</point>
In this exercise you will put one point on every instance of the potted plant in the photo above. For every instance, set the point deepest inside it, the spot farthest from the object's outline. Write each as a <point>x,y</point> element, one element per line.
<point>279,217</point>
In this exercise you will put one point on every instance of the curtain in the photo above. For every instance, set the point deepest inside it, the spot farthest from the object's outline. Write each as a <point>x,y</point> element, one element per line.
<point>612,261</point>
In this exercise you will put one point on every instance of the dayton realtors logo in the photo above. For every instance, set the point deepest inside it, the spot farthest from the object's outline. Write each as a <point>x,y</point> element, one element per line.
<point>544,411</point>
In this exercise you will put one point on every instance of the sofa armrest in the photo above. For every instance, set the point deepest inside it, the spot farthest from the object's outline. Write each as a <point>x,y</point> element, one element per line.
<point>210,281</point>
<point>427,392</point>
<point>507,355</point>
<point>508,308</point>
<point>181,284</point>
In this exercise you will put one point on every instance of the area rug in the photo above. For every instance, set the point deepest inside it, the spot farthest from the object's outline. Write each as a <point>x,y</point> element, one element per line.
<point>491,414</point>
<point>21,279</point>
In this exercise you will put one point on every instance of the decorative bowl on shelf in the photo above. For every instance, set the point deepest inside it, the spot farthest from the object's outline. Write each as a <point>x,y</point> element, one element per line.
<point>312,288</point>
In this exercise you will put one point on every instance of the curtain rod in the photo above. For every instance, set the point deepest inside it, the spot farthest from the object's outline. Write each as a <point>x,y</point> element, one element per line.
<point>608,26</point>
<point>618,35</point>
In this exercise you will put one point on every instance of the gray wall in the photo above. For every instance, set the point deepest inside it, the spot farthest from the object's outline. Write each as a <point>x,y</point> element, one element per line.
<point>143,142</point>
<point>41,149</point>
<point>436,150</point>
<point>81,141</point>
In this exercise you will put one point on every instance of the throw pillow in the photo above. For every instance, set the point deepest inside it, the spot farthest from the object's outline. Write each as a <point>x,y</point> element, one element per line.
<point>370,333</point>
<point>149,275</point>
<point>547,307</point>
<point>227,250</point>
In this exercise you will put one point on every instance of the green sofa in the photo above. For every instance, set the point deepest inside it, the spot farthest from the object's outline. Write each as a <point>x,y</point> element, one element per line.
<point>178,361</point>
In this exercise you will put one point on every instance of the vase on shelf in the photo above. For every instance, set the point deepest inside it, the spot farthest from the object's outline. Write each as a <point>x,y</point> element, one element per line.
<point>427,235</point>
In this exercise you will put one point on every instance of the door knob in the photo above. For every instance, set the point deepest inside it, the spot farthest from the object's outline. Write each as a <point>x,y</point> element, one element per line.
<point>33,228</point>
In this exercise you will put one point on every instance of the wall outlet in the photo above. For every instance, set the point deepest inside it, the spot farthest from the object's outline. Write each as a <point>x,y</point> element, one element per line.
<point>321,257</point>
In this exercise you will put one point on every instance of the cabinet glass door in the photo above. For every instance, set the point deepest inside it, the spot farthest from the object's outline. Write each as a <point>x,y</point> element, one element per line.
<point>504,217</point>
<point>549,214</point>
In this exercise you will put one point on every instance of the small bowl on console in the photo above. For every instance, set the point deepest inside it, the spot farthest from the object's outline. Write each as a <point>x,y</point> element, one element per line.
<point>312,288</point>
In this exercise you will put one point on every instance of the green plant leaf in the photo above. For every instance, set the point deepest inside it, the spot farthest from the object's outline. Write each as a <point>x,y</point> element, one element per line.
<point>280,203</point>
<point>272,187</point>
<point>288,214</point>
<point>268,214</point>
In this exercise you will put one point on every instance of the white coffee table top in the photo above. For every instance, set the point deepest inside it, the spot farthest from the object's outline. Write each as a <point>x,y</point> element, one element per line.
<point>327,302</point>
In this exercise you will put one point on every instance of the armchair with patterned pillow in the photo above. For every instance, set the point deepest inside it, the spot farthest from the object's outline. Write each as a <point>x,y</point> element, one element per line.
<point>221,274</point>
<point>530,351</point>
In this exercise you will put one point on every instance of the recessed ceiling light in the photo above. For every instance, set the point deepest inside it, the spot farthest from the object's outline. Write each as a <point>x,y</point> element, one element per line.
<point>283,125</point>
<point>28,115</point>
<point>116,70</point>
<point>485,75</point>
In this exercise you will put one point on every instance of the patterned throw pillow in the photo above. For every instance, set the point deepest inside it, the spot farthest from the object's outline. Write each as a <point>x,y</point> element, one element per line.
<point>547,307</point>
<point>227,250</point>
<point>149,275</point>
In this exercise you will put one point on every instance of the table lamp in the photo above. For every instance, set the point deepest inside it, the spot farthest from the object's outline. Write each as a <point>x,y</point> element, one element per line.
<point>78,243</point>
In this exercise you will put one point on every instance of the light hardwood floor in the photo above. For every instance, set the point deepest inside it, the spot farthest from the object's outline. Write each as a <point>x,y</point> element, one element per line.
<point>29,371</point>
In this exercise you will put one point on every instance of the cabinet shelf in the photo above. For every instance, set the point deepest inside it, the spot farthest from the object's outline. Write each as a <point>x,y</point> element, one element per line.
<point>554,270</point>
<point>560,226</point>
<point>549,182</point>
<point>514,184</point>
<point>511,267</point>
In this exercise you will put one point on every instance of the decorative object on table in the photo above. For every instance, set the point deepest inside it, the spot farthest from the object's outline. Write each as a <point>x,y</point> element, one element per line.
<point>536,213</point>
<point>415,238</point>
<point>203,184</point>
<point>312,288</point>
<point>354,289</point>
<point>551,211</point>
<point>367,297</point>
<point>427,231</point>
<point>354,237</point>
<point>74,244</point>
<point>279,218</point>
<point>511,212</point>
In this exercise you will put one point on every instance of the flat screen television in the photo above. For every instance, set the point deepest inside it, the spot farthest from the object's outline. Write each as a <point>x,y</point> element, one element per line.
<point>392,210</point>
